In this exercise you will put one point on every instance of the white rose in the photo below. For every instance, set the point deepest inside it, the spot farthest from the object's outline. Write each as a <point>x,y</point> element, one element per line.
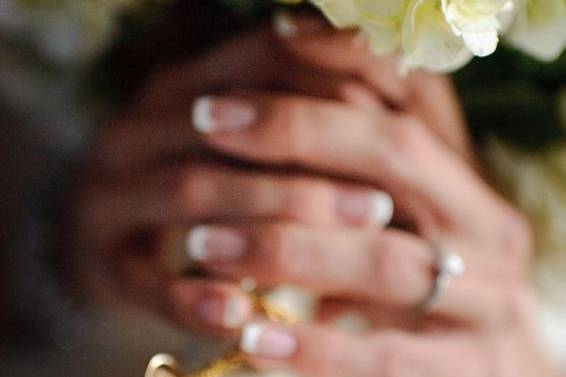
<point>428,40</point>
<point>443,35</point>
<point>381,21</point>
<point>540,28</point>
<point>439,35</point>
<point>477,21</point>
<point>342,13</point>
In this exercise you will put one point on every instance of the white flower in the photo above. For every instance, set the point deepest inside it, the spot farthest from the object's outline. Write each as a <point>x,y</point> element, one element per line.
<point>540,28</point>
<point>428,40</point>
<point>477,22</point>
<point>439,35</point>
<point>341,13</point>
<point>381,22</point>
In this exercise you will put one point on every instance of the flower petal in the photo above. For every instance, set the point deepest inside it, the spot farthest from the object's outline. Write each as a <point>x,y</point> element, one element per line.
<point>481,43</point>
<point>428,40</point>
<point>540,28</point>
<point>342,13</point>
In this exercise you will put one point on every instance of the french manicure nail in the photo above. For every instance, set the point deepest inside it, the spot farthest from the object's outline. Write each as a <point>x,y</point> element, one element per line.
<point>265,340</point>
<point>215,114</point>
<point>284,25</point>
<point>382,208</point>
<point>206,244</point>
<point>221,312</point>
<point>360,207</point>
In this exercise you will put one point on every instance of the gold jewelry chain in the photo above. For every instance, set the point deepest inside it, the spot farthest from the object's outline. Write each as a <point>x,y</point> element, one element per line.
<point>166,366</point>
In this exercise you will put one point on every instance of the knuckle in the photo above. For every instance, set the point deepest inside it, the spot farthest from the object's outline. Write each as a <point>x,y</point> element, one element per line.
<point>386,258</point>
<point>298,195</point>
<point>394,269</point>
<point>516,239</point>
<point>518,304</point>
<point>353,42</point>
<point>410,136</point>
<point>354,93</point>
<point>273,245</point>
<point>193,188</point>
<point>293,123</point>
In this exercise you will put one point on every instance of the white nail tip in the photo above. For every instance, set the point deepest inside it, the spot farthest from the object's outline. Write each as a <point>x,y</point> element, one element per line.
<point>203,120</point>
<point>233,313</point>
<point>196,244</point>
<point>284,25</point>
<point>249,342</point>
<point>382,208</point>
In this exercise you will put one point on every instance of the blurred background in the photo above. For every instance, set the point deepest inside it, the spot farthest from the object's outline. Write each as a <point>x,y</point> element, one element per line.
<point>65,66</point>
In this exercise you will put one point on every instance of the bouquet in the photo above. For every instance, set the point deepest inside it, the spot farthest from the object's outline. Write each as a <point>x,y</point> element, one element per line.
<point>443,35</point>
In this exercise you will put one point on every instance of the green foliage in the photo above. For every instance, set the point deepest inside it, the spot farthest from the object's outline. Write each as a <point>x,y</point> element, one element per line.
<point>515,97</point>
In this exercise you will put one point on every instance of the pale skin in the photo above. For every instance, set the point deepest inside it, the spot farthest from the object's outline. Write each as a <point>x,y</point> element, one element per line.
<point>325,125</point>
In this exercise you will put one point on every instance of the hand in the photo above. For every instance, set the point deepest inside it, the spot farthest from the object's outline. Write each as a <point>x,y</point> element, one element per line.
<point>150,176</point>
<point>383,273</point>
<point>481,326</point>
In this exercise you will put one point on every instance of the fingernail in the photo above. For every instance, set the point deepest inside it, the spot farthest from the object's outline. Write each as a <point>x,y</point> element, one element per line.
<point>213,114</point>
<point>205,244</point>
<point>382,208</point>
<point>264,340</point>
<point>221,312</point>
<point>284,25</point>
<point>358,207</point>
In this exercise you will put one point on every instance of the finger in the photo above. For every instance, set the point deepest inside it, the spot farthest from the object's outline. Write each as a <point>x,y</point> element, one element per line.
<point>317,83</point>
<point>205,193</point>
<point>361,317</point>
<point>396,152</point>
<point>140,276</point>
<point>139,143</point>
<point>313,351</point>
<point>428,96</point>
<point>433,99</point>
<point>158,122</point>
<point>464,304</point>
<point>341,52</point>
<point>390,268</point>
<point>440,354</point>
<point>206,307</point>
<point>222,68</point>
<point>317,351</point>
<point>346,262</point>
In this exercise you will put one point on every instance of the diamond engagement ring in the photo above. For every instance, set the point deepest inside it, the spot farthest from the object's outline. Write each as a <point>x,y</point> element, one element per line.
<point>448,266</point>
